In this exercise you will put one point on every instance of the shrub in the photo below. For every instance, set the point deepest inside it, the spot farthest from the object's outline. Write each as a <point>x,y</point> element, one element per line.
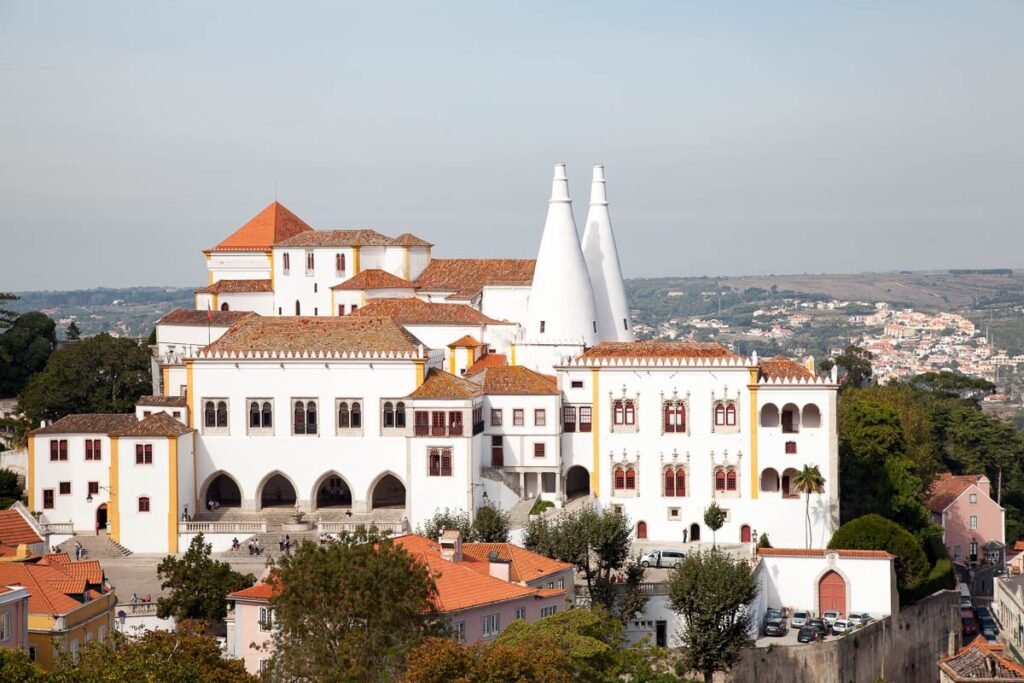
<point>874,532</point>
<point>540,506</point>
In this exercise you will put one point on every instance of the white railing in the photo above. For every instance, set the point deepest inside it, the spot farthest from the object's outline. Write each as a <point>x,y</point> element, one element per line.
<point>256,527</point>
<point>353,527</point>
<point>139,609</point>
<point>59,528</point>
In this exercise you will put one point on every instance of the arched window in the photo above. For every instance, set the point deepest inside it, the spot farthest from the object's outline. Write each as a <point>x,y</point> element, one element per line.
<point>298,308</point>
<point>357,415</point>
<point>641,530</point>
<point>617,412</point>
<point>210,411</point>
<point>670,483</point>
<point>719,415</point>
<point>630,479</point>
<point>254,414</point>
<point>222,414</point>
<point>268,420</point>
<point>343,417</point>
<point>675,417</point>
<point>620,478</point>
<point>680,482</point>
<point>730,415</point>
<point>389,415</point>
<point>730,480</point>
<point>144,504</point>
<point>719,479</point>
<point>400,415</point>
<point>630,413</point>
<point>224,306</point>
<point>339,263</point>
<point>310,417</point>
<point>300,418</point>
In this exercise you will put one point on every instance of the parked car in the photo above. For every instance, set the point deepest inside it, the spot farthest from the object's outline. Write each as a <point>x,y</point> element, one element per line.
<point>799,619</point>
<point>990,636</point>
<point>988,624</point>
<point>662,558</point>
<point>841,626</point>
<point>860,619</point>
<point>981,612</point>
<point>808,634</point>
<point>775,627</point>
<point>970,626</point>
<point>830,616</point>
<point>821,625</point>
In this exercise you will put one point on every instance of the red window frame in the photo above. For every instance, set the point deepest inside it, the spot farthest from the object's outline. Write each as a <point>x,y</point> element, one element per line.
<point>630,479</point>
<point>568,419</point>
<point>730,480</point>
<point>437,423</point>
<point>143,454</point>
<point>518,417</point>
<point>455,423</point>
<point>47,499</point>
<point>620,479</point>
<point>440,462</point>
<point>675,417</point>
<point>586,418</point>
<point>339,263</point>
<point>719,415</point>
<point>422,422</point>
<point>94,488</point>
<point>64,488</point>
<point>680,482</point>
<point>58,449</point>
<point>497,451</point>
<point>719,480</point>
<point>791,448</point>
<point>143,503</point>
<point>669,488</point>
<point>538,450</point>
<point>730,415</point>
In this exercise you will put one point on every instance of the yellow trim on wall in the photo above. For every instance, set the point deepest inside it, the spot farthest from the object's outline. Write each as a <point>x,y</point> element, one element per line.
<point>114,508</point>
<point>451,360</point>
<point>270,255</point>
<point>209,271</point>
<point>362,299</point>
<point>167,380</point>
<point>470,358</point>
<point>172,494</point>
<point>355,261</point>
<point>31,474</point>
<point>512,360</point>
<point>405,262</point>
<point>197,301</point>
<point>195,479</point>
<point>421,370</point>
<point>595,429</point>
<point>189,400</point>
<point>334,309</point>
<point>755,481</point>
<point>216,306</point>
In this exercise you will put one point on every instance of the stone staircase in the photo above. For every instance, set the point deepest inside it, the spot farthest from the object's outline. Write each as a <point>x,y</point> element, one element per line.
<point>519,514</point>
<point>268,542</point>
<point>94,547</point>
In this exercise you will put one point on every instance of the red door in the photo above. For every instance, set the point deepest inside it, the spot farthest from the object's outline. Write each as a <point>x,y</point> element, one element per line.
<point>744,534</point>
<point>832,593</point>
<point>641,529</point>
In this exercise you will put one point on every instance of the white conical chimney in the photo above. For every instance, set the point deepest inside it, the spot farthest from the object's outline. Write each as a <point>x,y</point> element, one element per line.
<point>561,308</point>
<point>602,260</point>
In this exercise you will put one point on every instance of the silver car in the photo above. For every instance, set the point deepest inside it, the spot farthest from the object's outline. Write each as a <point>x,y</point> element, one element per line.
<point>841,626</point>
<point>831,616</point>
<point>662,558</point>
<point>799,619</point>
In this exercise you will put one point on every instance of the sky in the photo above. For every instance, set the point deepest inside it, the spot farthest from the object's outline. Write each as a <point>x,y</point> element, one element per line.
<point>738,138</point>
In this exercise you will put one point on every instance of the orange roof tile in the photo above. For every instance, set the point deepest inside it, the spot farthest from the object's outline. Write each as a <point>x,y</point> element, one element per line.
<point>442,385</point>
<point>237,287</point>
<point>981,660</point>
<point>407,239</point>
<point>781,367</point>
<point>820,552</point>
<point>348,334</point>
<point>658,349</point>
<point>338,238</point>
<point>513,380</point>
<point>15,529</point>
<point>488,360</point>
<point>465,341</point>
<point>414,311</point>
<point>466,277</point>
<point>89,423</point>
<point>163,401</point>
<point>947,488</point>
<point>49,583</point>
<point>261,590</point>
<point>374,278</point>
<point>87,570</point>
<point>270,226</point>
<point>1019,545</point>
<point>526,566</point>
<point>158,424</point>
<point>184,316</point>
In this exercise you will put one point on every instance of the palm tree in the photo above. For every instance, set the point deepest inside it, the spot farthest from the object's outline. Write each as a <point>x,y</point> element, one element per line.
<point>808,481</point>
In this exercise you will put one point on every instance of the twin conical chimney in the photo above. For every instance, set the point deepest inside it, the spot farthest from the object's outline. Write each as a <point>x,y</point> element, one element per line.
<point>561,308</point>
<point>602,259</point>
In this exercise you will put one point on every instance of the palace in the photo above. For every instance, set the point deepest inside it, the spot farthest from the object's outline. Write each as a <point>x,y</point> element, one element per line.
<point>357,378</point>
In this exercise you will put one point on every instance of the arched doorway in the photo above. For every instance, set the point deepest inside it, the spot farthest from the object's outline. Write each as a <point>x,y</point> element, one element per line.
<point>769,480</point>
<point>770,415</point>
<point>695,532</point>
<point>832,593</point>
<point>332,492</point>
<point>745,533</point>
<point>224,490</point>
<point>277,492</point>
<point>641,530</point>
<point>388,492</point>
<point>101,518</point>
<point>577,482</point>
<point>790,419</point>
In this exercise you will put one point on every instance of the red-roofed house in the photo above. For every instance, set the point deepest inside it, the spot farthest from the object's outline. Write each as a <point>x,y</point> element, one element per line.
<point>974,524</point>
<point>14,617</point>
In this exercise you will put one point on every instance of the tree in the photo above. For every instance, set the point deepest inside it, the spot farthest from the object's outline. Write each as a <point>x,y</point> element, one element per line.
<point>7,316</point>
<point>808,481</point>
<point>73,333</point>
<point>186,655</point>
<point>711,592</point>
<point>15,665</point>
<point>442,660</point>
<point>25,347</point>
<point>714,518</point>
<point>101,374</point>
<point>874,532</point>
<point>444,520</point>
<point>199,585</point>
<point>10,491</point>
<point>763,541</point>
<point>491,525</point>
<point>350,610</point>
<point>590,638</point>
<point>597,543</point>
<point>855,367</point>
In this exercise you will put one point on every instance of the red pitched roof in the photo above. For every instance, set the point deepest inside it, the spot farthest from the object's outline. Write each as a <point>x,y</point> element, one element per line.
<point>270,226</point>
<point>781,367</point>
<point>374,278</point>
<point>334,335</point>
<point>50,583</point>
<point>526,566</point>
<point>513,380</point>
<point>948,488</point>
<point>414,311</point>
<point>443,385</point>
<point>339,238</point>
<point>185,316</point>
<point>89,423</point>
<point>981,660</point>
<point>466,277</point>
<point>15,529</point>
<point>820,552</point>
<point>657,349</point>
<point>262,590</point>
<point>488,360</point>
<point>237,287</point>
<point>465,341</point>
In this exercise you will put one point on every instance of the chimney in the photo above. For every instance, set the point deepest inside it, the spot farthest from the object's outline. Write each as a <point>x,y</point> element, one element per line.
<point>602,258</point>
<point>499,569</point>
<point>451,545</point>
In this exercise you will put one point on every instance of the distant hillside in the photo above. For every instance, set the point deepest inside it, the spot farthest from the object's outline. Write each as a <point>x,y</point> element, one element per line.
<point>130,311</point>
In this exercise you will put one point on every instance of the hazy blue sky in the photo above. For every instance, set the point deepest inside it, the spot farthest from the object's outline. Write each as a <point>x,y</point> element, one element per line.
<point>757,137</point>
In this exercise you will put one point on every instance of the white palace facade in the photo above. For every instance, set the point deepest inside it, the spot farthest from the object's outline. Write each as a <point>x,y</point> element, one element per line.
<point>359,379</point>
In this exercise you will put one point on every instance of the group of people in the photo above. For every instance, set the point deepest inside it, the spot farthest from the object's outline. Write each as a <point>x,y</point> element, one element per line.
<point>213,504</point>
<point>255,547</point>
<point>145,600</point>
<point>79,550</point>
<point>284,543</point>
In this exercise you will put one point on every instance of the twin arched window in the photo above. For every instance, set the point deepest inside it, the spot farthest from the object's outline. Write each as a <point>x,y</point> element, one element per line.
<point>675,482</point>
<point>725,414</point>
<point>725,479</point>
<point>624,478</point>
<point>350,416</point>
<point>215,414</point>
<point>394,415</point>
<point>339,263</point>
<point>624,412</point>
<point>675,417</point>
<point>304,419</point>
<point>260,416</point>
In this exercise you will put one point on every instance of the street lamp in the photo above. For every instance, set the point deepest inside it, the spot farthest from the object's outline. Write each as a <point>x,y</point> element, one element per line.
<point>88,498</point>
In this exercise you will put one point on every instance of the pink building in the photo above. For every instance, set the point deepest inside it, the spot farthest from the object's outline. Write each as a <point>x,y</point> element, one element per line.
<point>482,588</point>
<point>13,617</point>
<point>974,524</point>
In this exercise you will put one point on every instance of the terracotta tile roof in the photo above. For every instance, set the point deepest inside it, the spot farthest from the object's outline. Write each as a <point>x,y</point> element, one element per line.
<point>442,385</point>
<point>375,278</point>
<point>270,226</point>
<point>526,566</point>
<point>1019,545</point>
<point>513,380</point>
<point>407,239</point>
<point>820,552</point>
<point>156,425</point>
<point>49,583</point>
<point>330,335</point>
<point>89,423</point>
<point>15,529</point>
<point>947,488</point>
<point>414,311</point>
<point>460,586</point>
<point>338,238</point>
<point>464,342</point>
<point>237,287</point>
<point>466,277</point>
<point>781,367</point>
<point>89,571</point>
<point>184,316</point>
<point>163,401</point>
<point>658,349</point>
<point>488,360</point>
<point>261,590</point>
<point>981,660</point>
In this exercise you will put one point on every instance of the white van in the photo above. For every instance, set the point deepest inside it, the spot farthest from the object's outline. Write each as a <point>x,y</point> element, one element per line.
<point>965,596</point>
<point>662,558</point>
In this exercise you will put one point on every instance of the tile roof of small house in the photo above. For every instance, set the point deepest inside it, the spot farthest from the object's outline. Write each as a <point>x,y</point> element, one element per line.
<point>981,660</point>
<point>374,278</point>
<point>488,360</point>
<point>351,238</point>
<point>89,423</point>
<point>657,349</point>
<point>50,583</point>
<point>15,529</point>
<point>820,552</point>
<point>466,277</point>
<point>158,424</point>
<point>443,385</point>
<point>465,342</point>
<point>195,318</point>
<point>781,367</point>
<point>947,488</point>
<point>237,287</point>
<point>407,239</point>
<point>270,226</point>
<point>526,566</point>
<point>261,590</point>
<point>412,311</point>
<point>163,401</point>
<point>350,334</point>
<point>513,380</point>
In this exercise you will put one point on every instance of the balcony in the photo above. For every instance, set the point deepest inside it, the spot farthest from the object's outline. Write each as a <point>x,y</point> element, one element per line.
<point>422,430</point>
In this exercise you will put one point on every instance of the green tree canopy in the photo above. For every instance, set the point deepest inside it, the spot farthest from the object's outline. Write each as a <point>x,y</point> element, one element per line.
<point>710,591</point>
<point>874,532</point>
<point>854,367</point>
<point>442,660</point>
<point>489,525</point>
<point>25,347</point>
<point>198,584</point>
<point>10,491</point>
<point>101,374</point>
<point>714,518</point>
<point>7,316</point>
<point>73,333</point>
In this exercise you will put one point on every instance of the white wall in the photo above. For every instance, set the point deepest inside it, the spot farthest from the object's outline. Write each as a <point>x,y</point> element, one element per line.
<point>76,470</point>
<point>792,582</point>
<point>186,340</point>
<point>144,532</point>
<point>258,302</point>
<point>505,302</point>
<point>243,265</point>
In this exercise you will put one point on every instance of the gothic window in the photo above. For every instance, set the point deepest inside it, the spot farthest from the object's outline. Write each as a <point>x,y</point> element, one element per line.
<point>675,482</point>
<point>624,414</point>
<point>674,417</point>
<point>389,415</point>
<point>260,415</point>
<point>304,418</point>
<point>339,264</point>
<point>286,263</point>
<point>400,415</point>
<point>343,415</point>
<point>725,413</point>
<point>624,478</point>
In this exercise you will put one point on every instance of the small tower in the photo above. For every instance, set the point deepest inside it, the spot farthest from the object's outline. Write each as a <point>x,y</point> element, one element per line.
<point>561,308</point>
<point>602,259</point>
